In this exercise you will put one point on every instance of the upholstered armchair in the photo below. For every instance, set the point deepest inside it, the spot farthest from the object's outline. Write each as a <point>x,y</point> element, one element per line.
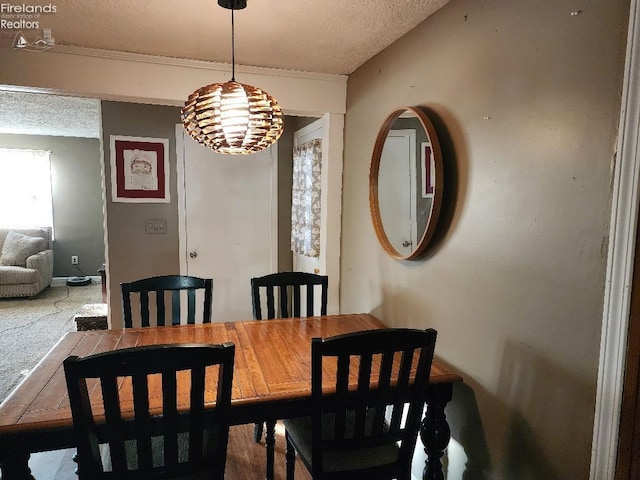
<point>26,261</point>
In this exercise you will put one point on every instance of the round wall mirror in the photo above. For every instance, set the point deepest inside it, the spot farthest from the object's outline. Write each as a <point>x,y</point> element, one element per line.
<point>406,183</point>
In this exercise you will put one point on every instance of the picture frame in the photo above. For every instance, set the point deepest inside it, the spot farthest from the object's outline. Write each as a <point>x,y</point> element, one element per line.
<point>139,169</point>
<point>427,164</point>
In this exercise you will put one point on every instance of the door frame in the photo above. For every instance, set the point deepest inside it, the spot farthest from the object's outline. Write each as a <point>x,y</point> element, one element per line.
<point>620,263</point>
<point>182,218</point>
<point>331,203</point>
<point>297,261</point>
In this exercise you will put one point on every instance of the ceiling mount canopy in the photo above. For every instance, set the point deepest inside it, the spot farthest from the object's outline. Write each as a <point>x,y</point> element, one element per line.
<point>233,4</point>
<point>232,117</point>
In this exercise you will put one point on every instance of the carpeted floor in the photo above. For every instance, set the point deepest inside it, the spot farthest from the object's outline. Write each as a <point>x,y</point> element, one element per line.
<point>30,327</point>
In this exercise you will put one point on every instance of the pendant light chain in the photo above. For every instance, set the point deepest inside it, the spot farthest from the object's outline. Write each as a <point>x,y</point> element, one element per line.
<point>233,46</point>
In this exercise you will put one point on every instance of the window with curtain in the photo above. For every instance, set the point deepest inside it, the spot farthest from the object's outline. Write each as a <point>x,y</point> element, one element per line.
<point>305,199</point>
<point>25,188</point>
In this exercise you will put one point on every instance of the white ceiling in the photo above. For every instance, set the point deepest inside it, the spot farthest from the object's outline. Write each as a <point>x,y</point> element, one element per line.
<point>327,36</point>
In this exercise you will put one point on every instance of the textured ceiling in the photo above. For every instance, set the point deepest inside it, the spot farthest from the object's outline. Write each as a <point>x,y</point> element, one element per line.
<point>327,36</point>
<point>39,114</point>
<point>324,36</point>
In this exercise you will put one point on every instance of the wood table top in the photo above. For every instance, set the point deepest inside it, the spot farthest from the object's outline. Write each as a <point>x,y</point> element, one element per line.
<point>272,364</point>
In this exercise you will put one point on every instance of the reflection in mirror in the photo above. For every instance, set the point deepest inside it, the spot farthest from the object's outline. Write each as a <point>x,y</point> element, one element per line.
<point>405,183</point>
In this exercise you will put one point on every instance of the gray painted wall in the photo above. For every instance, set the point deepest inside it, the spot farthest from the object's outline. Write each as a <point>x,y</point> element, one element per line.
<point>526,99</point>
<point>285,181</point>
<point>132,253</point>
<point>77,200</point>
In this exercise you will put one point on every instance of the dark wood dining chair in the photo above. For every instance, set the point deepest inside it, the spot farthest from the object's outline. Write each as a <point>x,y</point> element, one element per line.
<point>159,287</point>
<point>172,435</point>
<point>286,295</point>
<point>283,294</point>
<point>369,430</point>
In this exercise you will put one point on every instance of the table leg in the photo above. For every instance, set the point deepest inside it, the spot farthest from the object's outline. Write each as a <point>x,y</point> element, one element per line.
<point>434,431</point>
<point>15,466</point>
<point>290,456</point>
<point>270,440</point>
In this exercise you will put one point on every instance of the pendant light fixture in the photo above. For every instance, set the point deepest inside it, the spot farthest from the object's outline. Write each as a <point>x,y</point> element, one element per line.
<point>232,117</point>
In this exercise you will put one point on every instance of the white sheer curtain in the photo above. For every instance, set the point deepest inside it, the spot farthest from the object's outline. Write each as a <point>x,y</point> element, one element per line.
<point>25,188</point>
<point>305,199</point>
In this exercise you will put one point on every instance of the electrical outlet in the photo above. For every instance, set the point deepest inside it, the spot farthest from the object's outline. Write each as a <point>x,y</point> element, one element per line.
<point>74,259</point>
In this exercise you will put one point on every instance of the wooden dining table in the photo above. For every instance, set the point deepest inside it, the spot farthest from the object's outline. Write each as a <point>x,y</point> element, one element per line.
<point>271,380</point>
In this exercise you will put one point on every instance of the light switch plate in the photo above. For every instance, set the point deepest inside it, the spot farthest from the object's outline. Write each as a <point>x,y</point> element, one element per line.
<point>155,225</point>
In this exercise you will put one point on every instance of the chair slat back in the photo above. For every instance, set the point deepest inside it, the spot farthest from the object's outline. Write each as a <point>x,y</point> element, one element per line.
<point>380,383</point>
<point>284,297</point>
<point>124,377</point>
<point>161,287</point>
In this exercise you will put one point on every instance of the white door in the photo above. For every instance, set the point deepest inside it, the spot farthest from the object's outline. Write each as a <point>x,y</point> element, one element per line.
<point>397,190</point>
<point>329,128</point>
<point>313,131</point>
<point>228,225</point>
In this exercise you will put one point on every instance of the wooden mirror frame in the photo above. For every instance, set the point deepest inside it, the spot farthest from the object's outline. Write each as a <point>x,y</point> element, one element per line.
<point>374,172</point>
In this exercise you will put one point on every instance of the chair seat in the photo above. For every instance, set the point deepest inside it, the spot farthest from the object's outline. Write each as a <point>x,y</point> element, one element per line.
<point>368,430</point>
<point>151,443</point>
<point>300,431</point>
<point>157,450</point>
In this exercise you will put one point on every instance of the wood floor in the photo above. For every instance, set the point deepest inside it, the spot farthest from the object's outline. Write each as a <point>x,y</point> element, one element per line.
<point>245,459</point>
